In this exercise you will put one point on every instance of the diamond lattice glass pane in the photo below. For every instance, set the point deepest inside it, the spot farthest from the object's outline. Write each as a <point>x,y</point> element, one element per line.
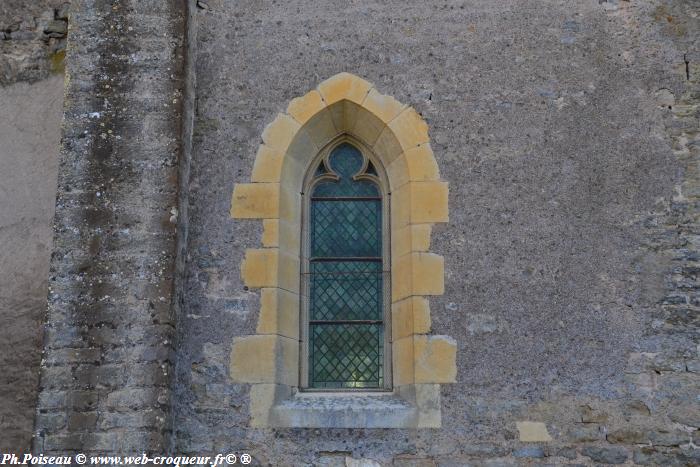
<point>346,356</point>
<point>346,161</point>
<point>346,228</point>
<point>346,342</point>
<point>346,290</point>
<point>343,188</point>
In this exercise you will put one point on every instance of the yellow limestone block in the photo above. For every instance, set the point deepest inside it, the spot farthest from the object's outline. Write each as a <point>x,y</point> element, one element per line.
<point>297,155</point>
<point>321,128</point>
<point>410,316</point>
<point>417,274</point>
<point>419,203</point>
<point>290,206</point>
<point>428,404</point>
<point>337,113</point>
<point>259,268</point>
<point>280,132</point>
<point>350,112</point>
<point>279,313</point>
<point>253,359</point>
<point>384,107</point>
<point>400,207</point>
<point>270,236</point>
<point>421,162</point>
<point>305,107</point>
<point>255,201</point>
<point>410,238</point>
<point>428,202</point>
<point>364,124</point>
<point>397,171</point>
<point>288,275</point>
<point>289,237</point>
<point>264,359</point>
<point>422,359</point>
<point>428,274</point>
<point>262,398</point>
<point>401,280</point>
<point>268,165</point>
<point>344,86</point>
<point>436,359</point>
<point>410,129</point>
<point>387,146</point>
<point>533,431</point>
<point>403,361</point>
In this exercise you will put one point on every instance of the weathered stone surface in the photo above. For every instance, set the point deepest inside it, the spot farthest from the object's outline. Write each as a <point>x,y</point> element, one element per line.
<point>590,415</point>
<point>606,455</point>
<point>414,462</point>
<point>585,433</point>
<point>628,436</point>
<point>571,161</point>
<point>561,172</point>
<point>113,263</point>
<point>30,135</point>
<point>32,41</point>
<point>566,452</point>
<point>529,451</point>
<point>685,415</point>
<point>669,438</point>
<point>56,28</point>
<point>655,456</point>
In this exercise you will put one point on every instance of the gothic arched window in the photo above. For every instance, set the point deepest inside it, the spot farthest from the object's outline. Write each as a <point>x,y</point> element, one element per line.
<point>327,172</point>
<point>345,274</point>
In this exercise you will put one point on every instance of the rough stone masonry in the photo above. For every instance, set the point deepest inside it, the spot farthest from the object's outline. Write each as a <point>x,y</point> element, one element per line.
<point>568,133</point>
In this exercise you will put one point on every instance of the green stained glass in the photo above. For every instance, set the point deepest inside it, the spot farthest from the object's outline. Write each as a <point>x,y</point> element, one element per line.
<point>346,304</point>
<point>346,161</point>
<point>346,290</point>
<point>346,227</point>
<point>347,356</point>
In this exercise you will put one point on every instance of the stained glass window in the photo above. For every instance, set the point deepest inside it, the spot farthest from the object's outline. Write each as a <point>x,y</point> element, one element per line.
<point>345,275</point>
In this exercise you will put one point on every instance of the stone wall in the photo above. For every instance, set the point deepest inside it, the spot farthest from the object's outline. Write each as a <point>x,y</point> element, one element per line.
<point>571,247</point>
<point>109,332</point>
<point>32,39</point>
<point>32,44</point>
<point>567,133</point>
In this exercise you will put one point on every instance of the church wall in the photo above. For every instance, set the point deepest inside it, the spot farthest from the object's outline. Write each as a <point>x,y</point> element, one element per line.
<point>567,133</point>
<point>569,261</point>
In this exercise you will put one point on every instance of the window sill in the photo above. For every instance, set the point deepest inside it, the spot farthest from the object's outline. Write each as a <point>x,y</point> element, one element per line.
<point>411,406</point>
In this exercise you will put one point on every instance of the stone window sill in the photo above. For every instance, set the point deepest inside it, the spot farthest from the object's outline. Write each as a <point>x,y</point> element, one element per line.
<point>409,407</point>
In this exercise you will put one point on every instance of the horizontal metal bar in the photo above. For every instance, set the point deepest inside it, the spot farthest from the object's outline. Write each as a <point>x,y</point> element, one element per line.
<point>346,321</point>
<point>320,259</point>
<point>346,198</point>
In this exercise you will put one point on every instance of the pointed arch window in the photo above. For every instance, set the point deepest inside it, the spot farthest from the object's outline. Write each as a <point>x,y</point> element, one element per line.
<point>345,274</point>
<point>344,116</point>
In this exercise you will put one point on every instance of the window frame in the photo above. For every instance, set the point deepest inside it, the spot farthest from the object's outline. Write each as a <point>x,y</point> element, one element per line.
<point>311,179</point>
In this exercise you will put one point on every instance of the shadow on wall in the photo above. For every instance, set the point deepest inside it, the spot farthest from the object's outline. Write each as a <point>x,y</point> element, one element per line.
<point>28,170</point>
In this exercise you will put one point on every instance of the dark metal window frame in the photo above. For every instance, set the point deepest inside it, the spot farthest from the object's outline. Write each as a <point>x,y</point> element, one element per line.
<point>310,181</point>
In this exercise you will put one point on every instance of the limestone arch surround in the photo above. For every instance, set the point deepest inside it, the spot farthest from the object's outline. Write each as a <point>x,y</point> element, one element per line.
<point>269,360</point>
